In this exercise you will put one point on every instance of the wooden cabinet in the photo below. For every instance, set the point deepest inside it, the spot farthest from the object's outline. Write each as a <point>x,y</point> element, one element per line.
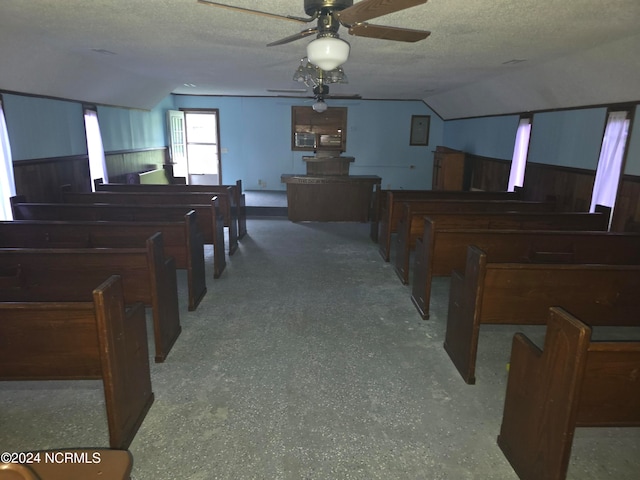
<point>338,198</point>
<point>311,130</point>
<point>449,169</point>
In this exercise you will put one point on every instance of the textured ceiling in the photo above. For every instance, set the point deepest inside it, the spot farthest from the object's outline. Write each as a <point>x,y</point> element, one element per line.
<point>483,57</point>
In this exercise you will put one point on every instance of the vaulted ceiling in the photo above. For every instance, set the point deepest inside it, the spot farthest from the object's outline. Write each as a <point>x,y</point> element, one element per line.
<point>483,57</point>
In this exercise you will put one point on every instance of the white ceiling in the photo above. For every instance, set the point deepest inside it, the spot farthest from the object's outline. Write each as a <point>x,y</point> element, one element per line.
<point>575,52</point>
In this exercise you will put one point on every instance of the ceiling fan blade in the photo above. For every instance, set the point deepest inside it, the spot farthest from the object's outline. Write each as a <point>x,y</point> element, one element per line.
<point>368,9</point>
<point>388,33</point>
<point>257,12</point>
<point>297,36</point>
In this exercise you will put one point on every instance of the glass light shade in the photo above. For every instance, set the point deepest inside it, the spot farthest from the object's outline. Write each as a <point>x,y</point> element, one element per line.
<point>328,52</point>
<point>320,106</point>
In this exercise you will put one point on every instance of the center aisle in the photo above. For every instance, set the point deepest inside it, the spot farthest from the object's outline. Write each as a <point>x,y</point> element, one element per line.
<point>307,359</point>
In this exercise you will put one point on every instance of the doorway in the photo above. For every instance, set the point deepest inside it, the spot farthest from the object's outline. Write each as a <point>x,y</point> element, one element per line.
<point>195,146</point>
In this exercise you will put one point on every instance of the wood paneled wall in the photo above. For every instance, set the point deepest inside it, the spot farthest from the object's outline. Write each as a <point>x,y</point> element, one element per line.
<point>570,187</point>
<point>626,214</point>
<point>40,180</point>
<point>119,164</point>
<point>491,174</point>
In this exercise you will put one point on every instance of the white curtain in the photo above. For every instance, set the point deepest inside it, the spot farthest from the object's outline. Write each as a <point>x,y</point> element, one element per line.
<point>7,182</point>
<point>519,159</point>
<point>605,187</point>
<point>97,162</point>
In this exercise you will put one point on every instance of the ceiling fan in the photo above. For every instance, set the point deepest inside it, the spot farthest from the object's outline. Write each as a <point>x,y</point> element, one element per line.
<point>331,14</point>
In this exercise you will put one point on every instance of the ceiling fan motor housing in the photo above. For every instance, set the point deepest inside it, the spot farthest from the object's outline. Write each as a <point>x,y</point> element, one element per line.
<point>313,6</point>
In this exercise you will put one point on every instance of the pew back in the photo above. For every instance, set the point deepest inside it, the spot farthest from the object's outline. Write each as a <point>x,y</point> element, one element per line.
<point>198,201</point>
<point>386,212</point>
<point>516,293</point>
<point>83,340</point>
<point>181,240</point>
<point>410,231</point>
<point>33,274</point>
<point>440,251</point>
<point>239,201</point>
<point>208,218</point>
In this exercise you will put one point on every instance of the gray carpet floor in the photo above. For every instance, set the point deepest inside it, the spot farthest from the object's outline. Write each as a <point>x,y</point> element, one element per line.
<point>307,360</point>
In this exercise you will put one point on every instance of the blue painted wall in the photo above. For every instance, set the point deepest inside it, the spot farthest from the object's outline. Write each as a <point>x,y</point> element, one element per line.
<point>255,138</point>
<point>126,129</point>
<point>569,138</point>
<point>488,136</point>
<point>632,167</point>
<point>44,128</point>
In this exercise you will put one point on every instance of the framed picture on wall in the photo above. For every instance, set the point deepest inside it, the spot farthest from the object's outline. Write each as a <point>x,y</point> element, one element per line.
<point>419,130</point>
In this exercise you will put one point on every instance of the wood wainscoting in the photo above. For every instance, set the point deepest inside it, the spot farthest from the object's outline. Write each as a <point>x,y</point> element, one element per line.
<point>40,180</point>
<point>626,215</point>
<point>121,163</point>
<point>570,187</point>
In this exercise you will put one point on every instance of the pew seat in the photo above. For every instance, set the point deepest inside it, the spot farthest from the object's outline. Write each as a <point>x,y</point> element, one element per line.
<point>98,339</point>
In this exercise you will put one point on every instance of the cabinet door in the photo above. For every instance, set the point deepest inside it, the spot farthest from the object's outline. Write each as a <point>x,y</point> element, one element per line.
<point>448,170</point>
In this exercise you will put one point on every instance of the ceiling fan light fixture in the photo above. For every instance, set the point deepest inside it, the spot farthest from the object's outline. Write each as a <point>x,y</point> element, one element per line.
<point>328,52</point>
<point>320,106</point>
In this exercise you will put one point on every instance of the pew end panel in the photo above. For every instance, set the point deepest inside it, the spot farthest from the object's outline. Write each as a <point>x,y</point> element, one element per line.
<point>421,297</point>
<point>572,382</point>
<point>385,228</point>
<point>164,297</point>
<point>463,324</point>
<point>422,269</point>
<point>84,340</point>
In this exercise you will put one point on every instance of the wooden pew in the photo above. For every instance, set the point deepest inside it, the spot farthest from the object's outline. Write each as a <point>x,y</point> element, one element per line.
<point>386,209</point>
<point>440,251</point>
<point>113,465</point>
<point>521,294</point>
<point>182,241</point>
<point>84,340</point>
<point>573,382</point>
<point>62,274</point>
<point>190,200</point>
<point>411,224</point>
<point>237,195</point>
<point>208,218</point>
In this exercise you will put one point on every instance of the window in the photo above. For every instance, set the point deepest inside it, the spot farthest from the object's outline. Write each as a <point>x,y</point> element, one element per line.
<point>520,151</point>
<point>97,162</point>
<point>7,182</point>
<point>614,142</point>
